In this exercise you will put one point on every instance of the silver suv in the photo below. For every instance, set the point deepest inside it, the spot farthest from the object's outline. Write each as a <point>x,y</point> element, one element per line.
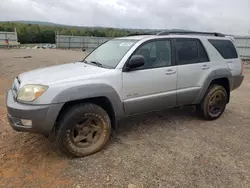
<point>80,102</point>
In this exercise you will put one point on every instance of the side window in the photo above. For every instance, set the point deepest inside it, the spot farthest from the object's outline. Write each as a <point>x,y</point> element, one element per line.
<point>187,51</point>
<point>147,46</point>
<point>225,48</point>
<point>190,51</point>
<point>203,57</point>
<point>153,50</point>
<point>156,54</point>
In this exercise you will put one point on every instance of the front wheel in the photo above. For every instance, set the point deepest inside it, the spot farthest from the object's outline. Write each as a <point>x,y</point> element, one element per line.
<point>83,130</point>
<point>214,103</point>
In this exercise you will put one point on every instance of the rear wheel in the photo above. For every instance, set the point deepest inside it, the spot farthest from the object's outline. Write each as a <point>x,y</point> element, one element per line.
<point>83,130</point>
<point>214,103</point>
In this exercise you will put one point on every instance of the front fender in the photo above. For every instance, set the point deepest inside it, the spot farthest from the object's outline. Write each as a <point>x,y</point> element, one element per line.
<point>92,91</point>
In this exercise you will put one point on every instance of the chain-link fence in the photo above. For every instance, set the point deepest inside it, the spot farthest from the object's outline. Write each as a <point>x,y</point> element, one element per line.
<point>83,42</point>
<point>243,46</point>
<point>90,43</point>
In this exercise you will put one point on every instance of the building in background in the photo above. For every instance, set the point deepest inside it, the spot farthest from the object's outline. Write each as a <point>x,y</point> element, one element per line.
<point>8,39</point>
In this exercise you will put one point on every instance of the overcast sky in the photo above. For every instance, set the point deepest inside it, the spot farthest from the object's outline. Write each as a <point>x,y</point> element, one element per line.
<point>229,16</point>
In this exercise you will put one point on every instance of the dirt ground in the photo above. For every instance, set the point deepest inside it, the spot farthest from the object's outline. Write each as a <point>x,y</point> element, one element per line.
<point>172,148</point>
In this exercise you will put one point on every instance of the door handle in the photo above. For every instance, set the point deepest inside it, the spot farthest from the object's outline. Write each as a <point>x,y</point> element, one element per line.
<point>170,71</point>
<point>204,67</point>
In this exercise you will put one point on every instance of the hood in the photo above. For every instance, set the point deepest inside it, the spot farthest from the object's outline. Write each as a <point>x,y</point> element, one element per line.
<point>57,73</point>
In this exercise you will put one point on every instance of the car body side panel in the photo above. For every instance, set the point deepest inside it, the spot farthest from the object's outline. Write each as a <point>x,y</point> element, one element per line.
<point>190,80</point>
<point>187,96</point>
<point>150,103</point>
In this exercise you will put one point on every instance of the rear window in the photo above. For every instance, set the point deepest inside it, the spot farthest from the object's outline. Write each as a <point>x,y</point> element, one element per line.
<point>225,48</point>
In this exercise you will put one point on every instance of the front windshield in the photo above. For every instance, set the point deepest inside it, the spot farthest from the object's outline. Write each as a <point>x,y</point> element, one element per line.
<point>110,53</point>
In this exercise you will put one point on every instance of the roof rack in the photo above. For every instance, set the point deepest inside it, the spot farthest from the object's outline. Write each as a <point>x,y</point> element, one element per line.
<point>189,33</point>
<point>136,34</point>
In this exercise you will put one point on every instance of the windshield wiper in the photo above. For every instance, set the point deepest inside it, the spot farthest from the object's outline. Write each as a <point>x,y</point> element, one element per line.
<point>92,62</point>
<point>96,63</point>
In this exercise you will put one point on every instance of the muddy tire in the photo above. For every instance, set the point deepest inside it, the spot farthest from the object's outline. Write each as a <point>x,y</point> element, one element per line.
<point>214,103</point>
<point>83,130</point>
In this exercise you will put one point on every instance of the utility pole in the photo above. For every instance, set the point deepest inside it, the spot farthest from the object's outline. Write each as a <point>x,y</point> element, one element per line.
<point>16,37</point>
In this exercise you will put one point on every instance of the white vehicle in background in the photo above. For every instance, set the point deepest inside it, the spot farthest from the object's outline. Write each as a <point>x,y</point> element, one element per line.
<point>48,46</point>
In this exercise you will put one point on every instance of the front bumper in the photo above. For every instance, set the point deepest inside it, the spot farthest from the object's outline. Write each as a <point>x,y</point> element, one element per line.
<point>237,81</point>
<point>43,117</point>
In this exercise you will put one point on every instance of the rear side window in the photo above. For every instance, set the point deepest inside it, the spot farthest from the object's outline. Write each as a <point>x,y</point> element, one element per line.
<point>190,51</point>
<point>225,48</point>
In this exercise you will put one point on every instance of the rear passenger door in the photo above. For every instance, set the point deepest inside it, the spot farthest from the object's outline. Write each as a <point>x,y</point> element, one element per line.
<point>192,67</point>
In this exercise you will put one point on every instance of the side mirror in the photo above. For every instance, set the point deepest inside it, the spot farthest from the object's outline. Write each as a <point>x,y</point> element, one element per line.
<point>136,61</point>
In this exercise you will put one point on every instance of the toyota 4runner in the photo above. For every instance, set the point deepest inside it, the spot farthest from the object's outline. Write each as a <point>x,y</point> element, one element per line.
<point>80,102</point>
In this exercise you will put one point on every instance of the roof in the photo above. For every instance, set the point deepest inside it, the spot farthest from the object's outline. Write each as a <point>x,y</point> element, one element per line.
<point>170,34</point>
<point>141,37</point>
<point>136,37</point>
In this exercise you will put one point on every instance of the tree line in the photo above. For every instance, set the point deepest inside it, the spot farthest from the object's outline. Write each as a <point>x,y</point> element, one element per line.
<point>35,33</point>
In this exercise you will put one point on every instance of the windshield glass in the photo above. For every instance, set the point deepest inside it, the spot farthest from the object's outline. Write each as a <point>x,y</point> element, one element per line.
<point>110,53</point>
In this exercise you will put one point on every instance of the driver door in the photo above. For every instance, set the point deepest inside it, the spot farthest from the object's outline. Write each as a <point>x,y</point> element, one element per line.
<point>152,86</point>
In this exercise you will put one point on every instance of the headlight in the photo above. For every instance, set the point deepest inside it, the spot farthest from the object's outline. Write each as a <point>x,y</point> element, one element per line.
<point>31,92</point>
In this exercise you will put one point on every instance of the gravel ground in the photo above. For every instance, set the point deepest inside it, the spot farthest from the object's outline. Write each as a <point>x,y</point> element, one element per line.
<point>172,148</point>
